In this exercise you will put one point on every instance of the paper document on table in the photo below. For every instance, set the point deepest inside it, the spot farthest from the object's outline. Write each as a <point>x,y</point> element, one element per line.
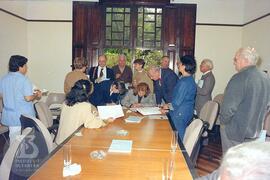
<point>122,146</point>
<point>157,117</point>
<point>149,110</point>
<point>133,119</point>
<point>114,111</point>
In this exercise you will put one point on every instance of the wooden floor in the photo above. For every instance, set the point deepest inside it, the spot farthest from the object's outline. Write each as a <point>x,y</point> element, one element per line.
<point>210,156</point>
<point>208,160</point>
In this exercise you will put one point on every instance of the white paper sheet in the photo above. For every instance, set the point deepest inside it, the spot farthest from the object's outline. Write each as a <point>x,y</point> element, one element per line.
<point>149,110</point>
<point>121,146</point>
<point>110,111</point>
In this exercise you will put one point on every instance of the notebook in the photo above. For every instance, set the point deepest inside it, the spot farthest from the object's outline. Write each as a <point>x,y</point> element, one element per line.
<point>121,146</point>
<point>133,119</point>
<point>149,110</point>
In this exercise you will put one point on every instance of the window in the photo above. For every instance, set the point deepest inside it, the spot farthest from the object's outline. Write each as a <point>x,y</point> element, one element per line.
<point>149,27</point>
<point>117,27</point>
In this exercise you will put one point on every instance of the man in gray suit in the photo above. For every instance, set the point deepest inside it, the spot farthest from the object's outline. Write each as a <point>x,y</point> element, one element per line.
<point>205,85</point>
<point>245,101</point>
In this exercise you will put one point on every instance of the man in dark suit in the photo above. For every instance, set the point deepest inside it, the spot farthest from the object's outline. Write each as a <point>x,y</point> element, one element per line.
<point>101,72</point>
<point>205,85</point>
<point>164,82</point>
<point>100,76</point>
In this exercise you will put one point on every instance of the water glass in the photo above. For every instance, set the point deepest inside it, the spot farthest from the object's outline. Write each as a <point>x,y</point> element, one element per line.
<point>67,155</point>
<point>167,169</point>
<point>174,140</point>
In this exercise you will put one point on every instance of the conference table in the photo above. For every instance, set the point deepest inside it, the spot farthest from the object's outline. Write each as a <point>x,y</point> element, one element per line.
<point>151,148</point>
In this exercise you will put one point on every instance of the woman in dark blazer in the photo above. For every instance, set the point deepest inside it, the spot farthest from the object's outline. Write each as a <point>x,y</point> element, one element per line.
<point>182,106</point>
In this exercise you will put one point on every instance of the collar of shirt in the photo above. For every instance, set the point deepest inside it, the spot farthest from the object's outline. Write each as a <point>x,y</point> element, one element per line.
<point>99,68</point>
<point>104,71</point>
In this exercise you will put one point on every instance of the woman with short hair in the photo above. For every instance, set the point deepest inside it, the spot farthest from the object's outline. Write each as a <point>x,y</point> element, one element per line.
<point>182,106</point>
<point>77,111</point>
<point>80,65</point>
<point>140,75</point>
<point>139,97</point>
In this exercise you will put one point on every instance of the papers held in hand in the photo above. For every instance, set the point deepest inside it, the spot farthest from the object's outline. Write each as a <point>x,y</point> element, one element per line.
<point>148,110</point>
<point>111,111</point>
<point>121,146</point>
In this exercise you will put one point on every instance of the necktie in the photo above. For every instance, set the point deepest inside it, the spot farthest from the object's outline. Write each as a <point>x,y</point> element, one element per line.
<point>101,73</point>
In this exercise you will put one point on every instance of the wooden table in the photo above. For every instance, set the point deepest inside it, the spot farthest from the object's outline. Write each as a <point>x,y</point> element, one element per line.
<point>151,148</point>
<point>149,134</point>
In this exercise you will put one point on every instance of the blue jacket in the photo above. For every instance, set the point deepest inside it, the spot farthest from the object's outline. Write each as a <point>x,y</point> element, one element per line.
<point>183,103</point>
<point>101,95</point>
<point>163,88</point>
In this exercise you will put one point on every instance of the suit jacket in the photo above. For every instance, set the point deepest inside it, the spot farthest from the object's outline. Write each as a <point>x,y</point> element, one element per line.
<point>245,104</point>
<point>130,99</point>
<point>101,95</point>
<point>183,103</point>
<point>126,76</point>
<point>204,93</point>
<point>163,88</point>
<point>93,73</point>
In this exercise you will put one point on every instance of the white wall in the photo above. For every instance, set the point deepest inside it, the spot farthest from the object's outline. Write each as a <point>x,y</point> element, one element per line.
<point>13,38</point>
<point>257,35</point>
<point>219,44</point>
<point>17,7</point>
<point>50,51</point>
<point>217,11</point>
<point>47,10</point>
<point>254,9</point>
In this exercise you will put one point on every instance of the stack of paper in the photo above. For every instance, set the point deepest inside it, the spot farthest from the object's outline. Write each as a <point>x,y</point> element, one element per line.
<point>149,110</point>
<point>157,117</point>
<point>121,146</point>
<point>133,119</point>
<point>111,111</point>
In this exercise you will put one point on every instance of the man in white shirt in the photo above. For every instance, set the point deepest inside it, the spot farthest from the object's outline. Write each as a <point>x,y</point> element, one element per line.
<point>101,72</point>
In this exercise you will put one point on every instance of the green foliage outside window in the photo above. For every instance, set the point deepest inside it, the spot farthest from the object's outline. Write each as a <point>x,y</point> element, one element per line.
<point>151,57</point>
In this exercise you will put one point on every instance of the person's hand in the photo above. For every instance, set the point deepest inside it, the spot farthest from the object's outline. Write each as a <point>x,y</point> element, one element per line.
<point>110,119</point>
<point>98,80</point>
<point>37,93</point>
<point>166,106</point>
<point>164,111</point>
<point>118,75</point>
<point>136,105</point>
<point>134,83</point>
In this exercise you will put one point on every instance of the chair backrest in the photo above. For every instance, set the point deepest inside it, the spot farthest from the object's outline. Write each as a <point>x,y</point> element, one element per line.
<point>1,104</point>
<point>3,129</point>
<point>1,107</point>
<point>5,168</point>
<point>209,113</point>
<point>44,114</point>
<point>266,125</point>
<point>192,135</point>
<point>24,156</point>
<point>219,98</point>
<point>55,98</point>
<point>40,129</point>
